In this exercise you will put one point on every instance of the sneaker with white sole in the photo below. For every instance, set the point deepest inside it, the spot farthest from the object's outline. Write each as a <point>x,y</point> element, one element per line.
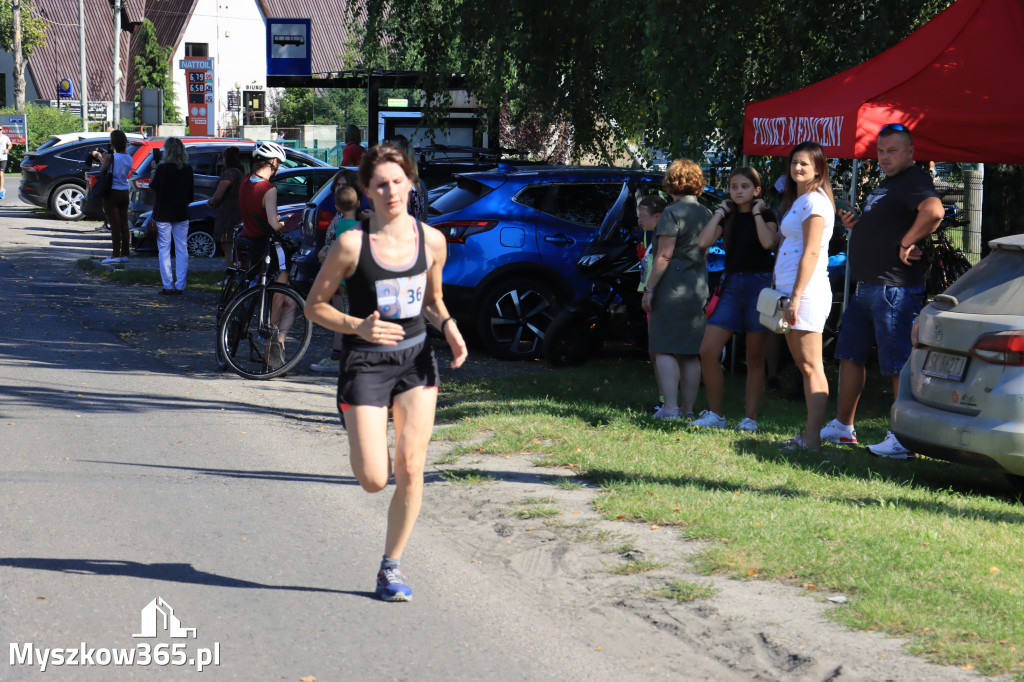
<point>391,585</point>
<point>668,415</point>
<point>837,432</point>
<point>709,420</point>
<point>747,424</point>
<point>891,448</point>
<point>327,365</point>
<point>110,261</point>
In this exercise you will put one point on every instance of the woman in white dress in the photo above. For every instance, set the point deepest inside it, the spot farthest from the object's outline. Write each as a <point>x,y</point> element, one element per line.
<point>801,271</point>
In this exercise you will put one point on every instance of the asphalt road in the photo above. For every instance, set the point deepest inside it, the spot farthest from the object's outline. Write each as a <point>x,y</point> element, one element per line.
<point>128,477</point>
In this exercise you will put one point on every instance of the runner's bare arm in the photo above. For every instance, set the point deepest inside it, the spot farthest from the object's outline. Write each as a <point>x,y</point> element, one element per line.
<point>433,303</point>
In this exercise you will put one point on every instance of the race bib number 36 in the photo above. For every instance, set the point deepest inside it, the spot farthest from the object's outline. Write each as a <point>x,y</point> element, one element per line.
<point>401,297</point>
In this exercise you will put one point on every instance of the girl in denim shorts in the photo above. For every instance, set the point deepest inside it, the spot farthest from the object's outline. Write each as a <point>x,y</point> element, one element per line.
<point>750,231</point>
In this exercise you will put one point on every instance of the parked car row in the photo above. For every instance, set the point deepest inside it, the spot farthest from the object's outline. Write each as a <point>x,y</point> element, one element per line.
<point>56,177</point>
<point>295,186</point>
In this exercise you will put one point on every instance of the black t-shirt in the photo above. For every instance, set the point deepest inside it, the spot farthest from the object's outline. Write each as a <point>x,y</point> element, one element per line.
<point>172,192</point>
<point>889,212</point>
<point>743,250</point>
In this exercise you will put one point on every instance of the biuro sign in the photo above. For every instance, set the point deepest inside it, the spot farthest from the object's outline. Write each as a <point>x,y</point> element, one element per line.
<point>786,131</point>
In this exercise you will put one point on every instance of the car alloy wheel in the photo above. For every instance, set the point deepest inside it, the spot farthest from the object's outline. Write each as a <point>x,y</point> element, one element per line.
<point>201,245</point>
<point>514,317</point>
<point>66,202</point>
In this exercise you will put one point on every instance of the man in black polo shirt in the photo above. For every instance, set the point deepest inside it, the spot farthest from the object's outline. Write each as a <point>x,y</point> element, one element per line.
<point>888,278</point>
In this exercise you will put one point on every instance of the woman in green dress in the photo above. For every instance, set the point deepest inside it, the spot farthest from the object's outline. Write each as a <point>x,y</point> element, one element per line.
<point>676,291</point>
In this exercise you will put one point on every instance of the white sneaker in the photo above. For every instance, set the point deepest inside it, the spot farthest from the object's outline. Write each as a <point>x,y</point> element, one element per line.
<point>837,432</point>
<point>326,365</point>
<point>709,420</point>
<point>891,448</point>
<point>667,415</point>
<point>110,261</point>
<point>747,424</point>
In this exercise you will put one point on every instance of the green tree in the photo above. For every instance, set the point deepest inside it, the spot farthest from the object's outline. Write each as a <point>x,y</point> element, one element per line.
<point>33,28</point>
<point>153,70</point>
<point>627,72</point>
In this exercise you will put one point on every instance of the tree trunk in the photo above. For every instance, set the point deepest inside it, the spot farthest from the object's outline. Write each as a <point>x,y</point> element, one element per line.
<point>1004,192</point>
<point>19,58</point>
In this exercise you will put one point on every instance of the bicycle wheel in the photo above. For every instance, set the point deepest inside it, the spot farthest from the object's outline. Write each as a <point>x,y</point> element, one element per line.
<point>234,282</point>
<point>264,332</point>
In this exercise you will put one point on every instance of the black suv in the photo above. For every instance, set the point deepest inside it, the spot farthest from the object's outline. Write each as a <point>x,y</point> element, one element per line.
<point>207,164</point>
<point>54,178</point>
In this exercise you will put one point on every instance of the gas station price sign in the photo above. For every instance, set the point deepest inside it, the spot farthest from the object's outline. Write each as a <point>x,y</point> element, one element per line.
<point>202,106</point>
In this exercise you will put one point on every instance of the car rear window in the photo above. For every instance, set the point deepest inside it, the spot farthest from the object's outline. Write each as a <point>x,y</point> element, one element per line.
<point>993,286</point>
<point>465,192</point>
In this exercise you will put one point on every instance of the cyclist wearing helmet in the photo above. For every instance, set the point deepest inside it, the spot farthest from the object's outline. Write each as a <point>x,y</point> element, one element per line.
<point>257,199</point>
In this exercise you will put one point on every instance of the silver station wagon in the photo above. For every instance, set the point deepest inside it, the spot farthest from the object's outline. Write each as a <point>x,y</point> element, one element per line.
<point>962,391</point>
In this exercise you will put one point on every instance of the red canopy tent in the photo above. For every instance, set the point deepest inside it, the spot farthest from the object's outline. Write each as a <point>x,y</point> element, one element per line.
<point>956,82</point>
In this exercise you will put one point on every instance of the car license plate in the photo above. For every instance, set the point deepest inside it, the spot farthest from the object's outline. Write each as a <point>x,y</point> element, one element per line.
<point>945,365</point>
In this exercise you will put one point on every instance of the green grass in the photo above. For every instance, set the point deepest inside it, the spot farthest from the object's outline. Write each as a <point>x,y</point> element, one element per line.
<point>197,280</point>
<point>635,566</point>
<point>568,484</point>
<point>684,591</point>
<point>466,477</point>
<point>925,550</point>
<point>535,508</point>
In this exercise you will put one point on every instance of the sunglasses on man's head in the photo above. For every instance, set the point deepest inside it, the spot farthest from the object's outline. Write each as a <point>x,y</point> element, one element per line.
<point>898,127</point>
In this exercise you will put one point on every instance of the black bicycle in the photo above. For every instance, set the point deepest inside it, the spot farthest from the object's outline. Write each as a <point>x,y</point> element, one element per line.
<point>262,329</point>
<point>945,263</point>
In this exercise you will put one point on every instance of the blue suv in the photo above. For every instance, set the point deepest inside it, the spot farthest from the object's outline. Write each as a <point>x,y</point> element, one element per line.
<point>514,235</point>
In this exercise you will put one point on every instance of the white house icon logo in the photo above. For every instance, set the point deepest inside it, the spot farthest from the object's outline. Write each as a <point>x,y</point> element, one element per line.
<point>151,620</point>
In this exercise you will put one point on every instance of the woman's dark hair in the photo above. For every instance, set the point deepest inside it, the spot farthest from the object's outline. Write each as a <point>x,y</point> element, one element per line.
<point>750,174</point>
<point>351,180</point>
<point>820,181</point>
<point>352,134</point>
<point>118,140</point>
<point>233,158</point>
<point>384,153</point>
<point>653,203</point>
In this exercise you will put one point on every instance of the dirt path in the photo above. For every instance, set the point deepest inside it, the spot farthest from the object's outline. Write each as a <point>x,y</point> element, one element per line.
<point>568,568</point>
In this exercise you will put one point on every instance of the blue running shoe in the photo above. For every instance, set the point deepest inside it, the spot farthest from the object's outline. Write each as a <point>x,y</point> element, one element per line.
<point>3,194</point>
<point>391,585</point>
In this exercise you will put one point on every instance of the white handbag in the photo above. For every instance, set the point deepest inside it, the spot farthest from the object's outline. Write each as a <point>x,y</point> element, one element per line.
<point>770,306</point>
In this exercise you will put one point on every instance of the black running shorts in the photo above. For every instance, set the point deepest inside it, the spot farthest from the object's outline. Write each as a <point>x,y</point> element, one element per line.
<point>375,375</point>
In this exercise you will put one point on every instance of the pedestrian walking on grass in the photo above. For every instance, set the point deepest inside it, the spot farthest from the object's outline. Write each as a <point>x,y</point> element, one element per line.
<point>676,291</point>
<point>115,201</point>
<point>172,186</point>
<point>225,201</point>
<point>750,231</point>
<point>5,149</point>
<point>885,265</point>
<point>801,272</point>
<point>392,268</point>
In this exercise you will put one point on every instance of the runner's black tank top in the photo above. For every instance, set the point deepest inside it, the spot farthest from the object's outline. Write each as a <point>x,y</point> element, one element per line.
<point>396,292</point>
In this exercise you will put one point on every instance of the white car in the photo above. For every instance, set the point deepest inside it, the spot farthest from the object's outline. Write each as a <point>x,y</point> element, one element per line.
<point>962,390</point>
<point>64,138</point>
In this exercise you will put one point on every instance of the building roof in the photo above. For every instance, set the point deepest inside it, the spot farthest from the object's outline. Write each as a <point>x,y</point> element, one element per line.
<point>330,30</point>
<point>59,57</point>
